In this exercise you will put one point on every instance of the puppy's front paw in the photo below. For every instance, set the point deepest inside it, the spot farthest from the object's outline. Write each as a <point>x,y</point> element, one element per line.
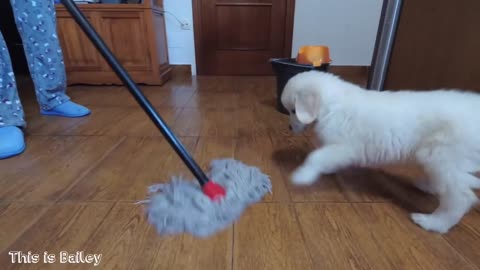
<point>304,176</point>
<point>430,222</point>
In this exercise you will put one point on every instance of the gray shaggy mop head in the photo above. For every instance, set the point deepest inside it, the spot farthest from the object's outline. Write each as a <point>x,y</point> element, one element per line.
<point>181,207</point>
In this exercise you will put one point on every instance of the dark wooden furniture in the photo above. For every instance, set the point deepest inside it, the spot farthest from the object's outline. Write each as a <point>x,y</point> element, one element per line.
<point>134,32</point>
<point>437,45</point>
<point>236,37</point>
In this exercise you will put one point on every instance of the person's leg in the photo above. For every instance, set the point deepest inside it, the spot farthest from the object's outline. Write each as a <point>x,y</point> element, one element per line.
<point>37,25</point>
<point>11,112</point>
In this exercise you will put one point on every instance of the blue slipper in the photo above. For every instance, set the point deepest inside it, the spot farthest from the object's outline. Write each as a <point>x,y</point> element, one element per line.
<point>67,109</point>
<point>12,142</point>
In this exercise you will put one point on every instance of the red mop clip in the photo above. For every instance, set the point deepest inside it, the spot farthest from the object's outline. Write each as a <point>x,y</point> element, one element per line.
<point>213,190</point>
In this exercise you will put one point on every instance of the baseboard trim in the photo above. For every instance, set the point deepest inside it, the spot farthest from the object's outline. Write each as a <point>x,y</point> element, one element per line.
<point>181,70</point>
<point>350,70</point>
<point>354,74</point>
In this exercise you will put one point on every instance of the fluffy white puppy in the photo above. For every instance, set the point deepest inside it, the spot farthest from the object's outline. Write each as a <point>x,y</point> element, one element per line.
<point>440,130</point>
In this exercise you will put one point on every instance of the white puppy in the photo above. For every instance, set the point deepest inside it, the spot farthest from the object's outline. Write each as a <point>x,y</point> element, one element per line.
<point>439,130</point>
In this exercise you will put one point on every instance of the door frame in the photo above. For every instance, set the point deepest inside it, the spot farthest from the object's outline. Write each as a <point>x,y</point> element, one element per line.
<point>198,35</point>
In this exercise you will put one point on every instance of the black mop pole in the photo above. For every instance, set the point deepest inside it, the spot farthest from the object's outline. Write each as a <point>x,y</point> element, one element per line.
<point>134,90</point>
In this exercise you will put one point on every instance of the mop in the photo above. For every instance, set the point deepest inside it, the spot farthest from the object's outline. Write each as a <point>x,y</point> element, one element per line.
<point>200,208</point>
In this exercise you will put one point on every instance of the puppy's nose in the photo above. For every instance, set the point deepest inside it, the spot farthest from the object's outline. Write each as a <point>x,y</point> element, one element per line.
<point>290,127</point>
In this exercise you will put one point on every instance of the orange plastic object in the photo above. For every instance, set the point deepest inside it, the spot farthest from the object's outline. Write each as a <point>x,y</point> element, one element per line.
<point>313,55</point>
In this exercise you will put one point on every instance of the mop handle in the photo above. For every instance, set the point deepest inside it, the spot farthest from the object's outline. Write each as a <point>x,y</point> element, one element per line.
<point>134,90</point>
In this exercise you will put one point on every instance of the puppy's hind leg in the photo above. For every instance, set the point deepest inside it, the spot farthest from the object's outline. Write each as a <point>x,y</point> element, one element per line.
<point>325,160</point>
<point>455,196</point>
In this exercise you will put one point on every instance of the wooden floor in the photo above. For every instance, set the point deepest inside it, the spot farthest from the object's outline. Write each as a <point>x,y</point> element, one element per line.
<point>75,187</point>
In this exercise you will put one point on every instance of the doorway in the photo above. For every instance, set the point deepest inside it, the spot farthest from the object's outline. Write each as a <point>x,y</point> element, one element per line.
<point>238,37</point>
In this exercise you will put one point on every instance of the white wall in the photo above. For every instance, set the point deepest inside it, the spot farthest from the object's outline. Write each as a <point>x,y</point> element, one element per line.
<point>181,44</point>
<point>347,27</point>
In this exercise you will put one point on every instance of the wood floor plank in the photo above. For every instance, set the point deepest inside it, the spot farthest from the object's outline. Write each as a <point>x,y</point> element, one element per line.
<point>130,169</point>
<point>215,84</point>
<point>206,122</point>
<point>128,242</point>
<point>121,235</point>
<point>361,185</point>
<point>107,121</point>
<point>210,148</point>
<point>248,124</point>
<point>257,90</point>
<point>94,124</point>
<point>407,245</point>
<point>277,123</point>
<point>268,237</point>
<point>214,100</point>
<point>465,237</point>
<point>50,166</point>
<point>255,96</point>
<point>338,238</point>
<point>47,125</point>
<point>291,153</point>
<point>258,151</point>
<point>75,187</point>
<point>176,95</point>
<point>16,218</point>
<point>213,253</point>
<point>354,185</point>
<point>101,96</point>
<point>135,122</point>
<point>37,148</point>
<point>172,94</point>
<point>257,84</point>
<point>189,123</point>
<point>364,185</point>
<point>218,122</point>
<point>61,228</point>
<point>117,121</point>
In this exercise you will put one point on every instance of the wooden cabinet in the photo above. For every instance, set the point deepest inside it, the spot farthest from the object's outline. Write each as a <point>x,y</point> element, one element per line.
<point>134,32</point>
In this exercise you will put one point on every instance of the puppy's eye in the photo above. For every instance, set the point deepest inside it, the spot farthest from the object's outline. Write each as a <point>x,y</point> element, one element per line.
<point>293,111</point>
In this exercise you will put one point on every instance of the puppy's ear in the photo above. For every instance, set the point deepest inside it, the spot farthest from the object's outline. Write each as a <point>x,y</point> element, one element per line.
<point>306,106</point>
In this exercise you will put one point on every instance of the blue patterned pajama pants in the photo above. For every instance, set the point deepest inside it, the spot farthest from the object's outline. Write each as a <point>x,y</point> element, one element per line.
<point>36,23</point>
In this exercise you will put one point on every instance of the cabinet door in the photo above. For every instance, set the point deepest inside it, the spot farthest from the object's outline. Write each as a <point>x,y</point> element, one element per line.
<point>79,53</point>
<point>126,35</point>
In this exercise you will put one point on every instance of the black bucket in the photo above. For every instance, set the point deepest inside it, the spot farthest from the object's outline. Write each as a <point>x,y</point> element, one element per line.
<point>286,68</point>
